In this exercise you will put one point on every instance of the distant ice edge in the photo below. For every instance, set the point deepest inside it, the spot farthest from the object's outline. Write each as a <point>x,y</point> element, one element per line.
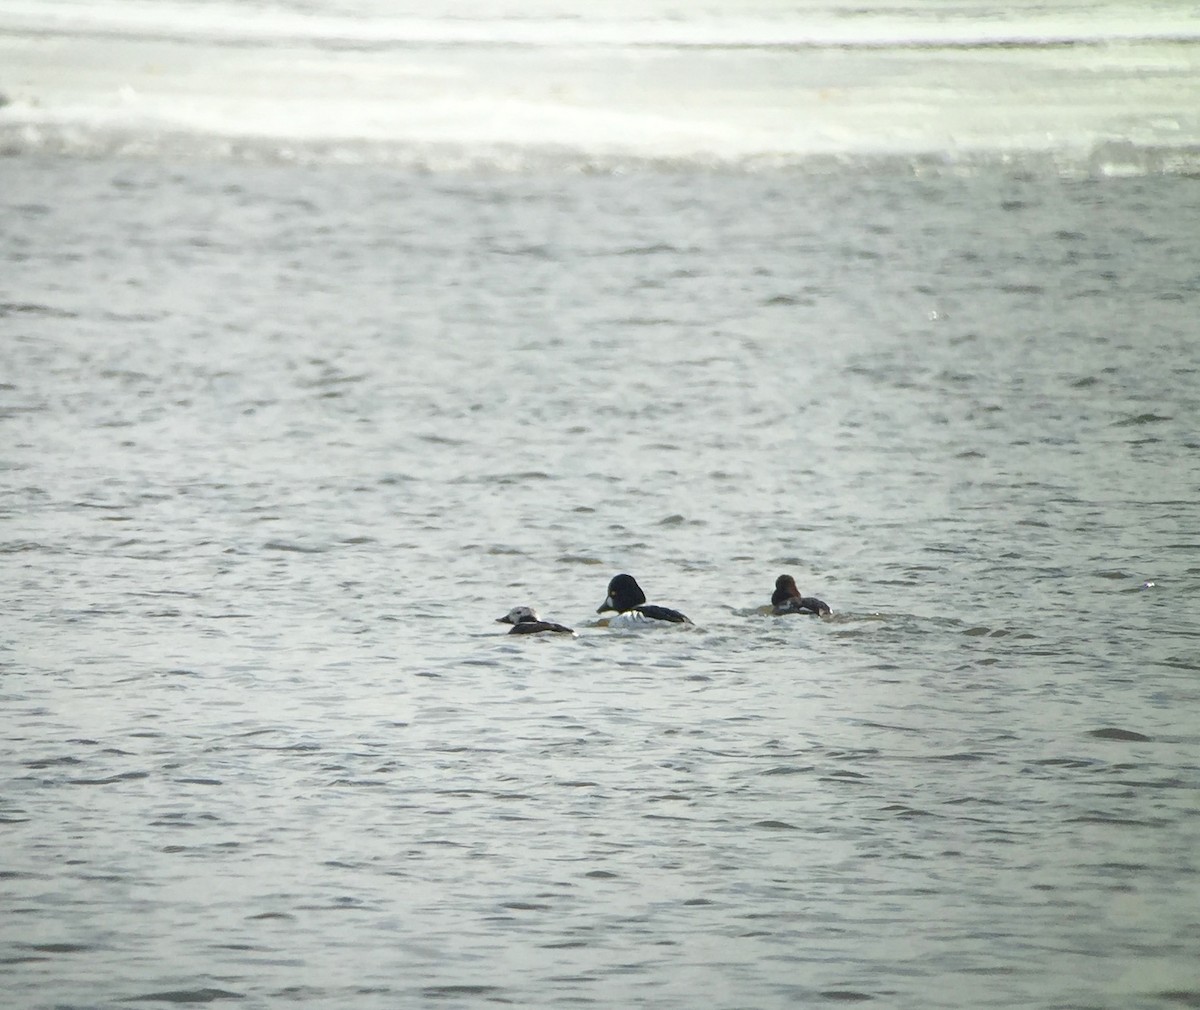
<point>1108,158</point>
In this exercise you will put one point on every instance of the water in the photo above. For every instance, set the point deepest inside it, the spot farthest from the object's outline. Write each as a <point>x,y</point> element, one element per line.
<point>286,425</point>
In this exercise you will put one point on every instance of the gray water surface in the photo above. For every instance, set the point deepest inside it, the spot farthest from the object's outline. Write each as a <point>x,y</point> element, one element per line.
<point>279,444</point>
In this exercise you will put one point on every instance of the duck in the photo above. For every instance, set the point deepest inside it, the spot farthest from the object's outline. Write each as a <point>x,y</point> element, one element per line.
<point>787,600</point>
<point>526,621</point>
<point>625,596</point>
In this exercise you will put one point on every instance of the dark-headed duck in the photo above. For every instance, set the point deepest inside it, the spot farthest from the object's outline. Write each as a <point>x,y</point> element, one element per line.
<point>787,600</point>
<point>625,596</point>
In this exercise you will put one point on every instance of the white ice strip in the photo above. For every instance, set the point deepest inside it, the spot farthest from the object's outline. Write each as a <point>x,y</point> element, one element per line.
<point>656,23</point>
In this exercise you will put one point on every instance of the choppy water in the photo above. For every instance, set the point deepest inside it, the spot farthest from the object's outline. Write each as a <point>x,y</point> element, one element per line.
<point>279,441</point>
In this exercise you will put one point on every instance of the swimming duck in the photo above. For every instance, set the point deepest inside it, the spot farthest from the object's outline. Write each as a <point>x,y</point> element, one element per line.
<point>525,621</point>
<point>787,600</point>
<point>625,596</point>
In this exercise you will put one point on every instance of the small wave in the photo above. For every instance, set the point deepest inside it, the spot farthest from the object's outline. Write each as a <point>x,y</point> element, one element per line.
<point>1100,817</point>
<point>61,948</point>
<point>654,249</point>
<point>460,990</point>
<point>23,547</point>
<point>35,309</point>
<point>206,995</point>
<point>66,759</point>
<point>111,779</point>
<point>1140,419</point>
<point>1184,997</point>
<point>282,545</point>
<point>1115,733</point>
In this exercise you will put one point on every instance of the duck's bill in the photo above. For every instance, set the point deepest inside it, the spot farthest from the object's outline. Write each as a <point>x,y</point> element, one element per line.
<point>606,605</point>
